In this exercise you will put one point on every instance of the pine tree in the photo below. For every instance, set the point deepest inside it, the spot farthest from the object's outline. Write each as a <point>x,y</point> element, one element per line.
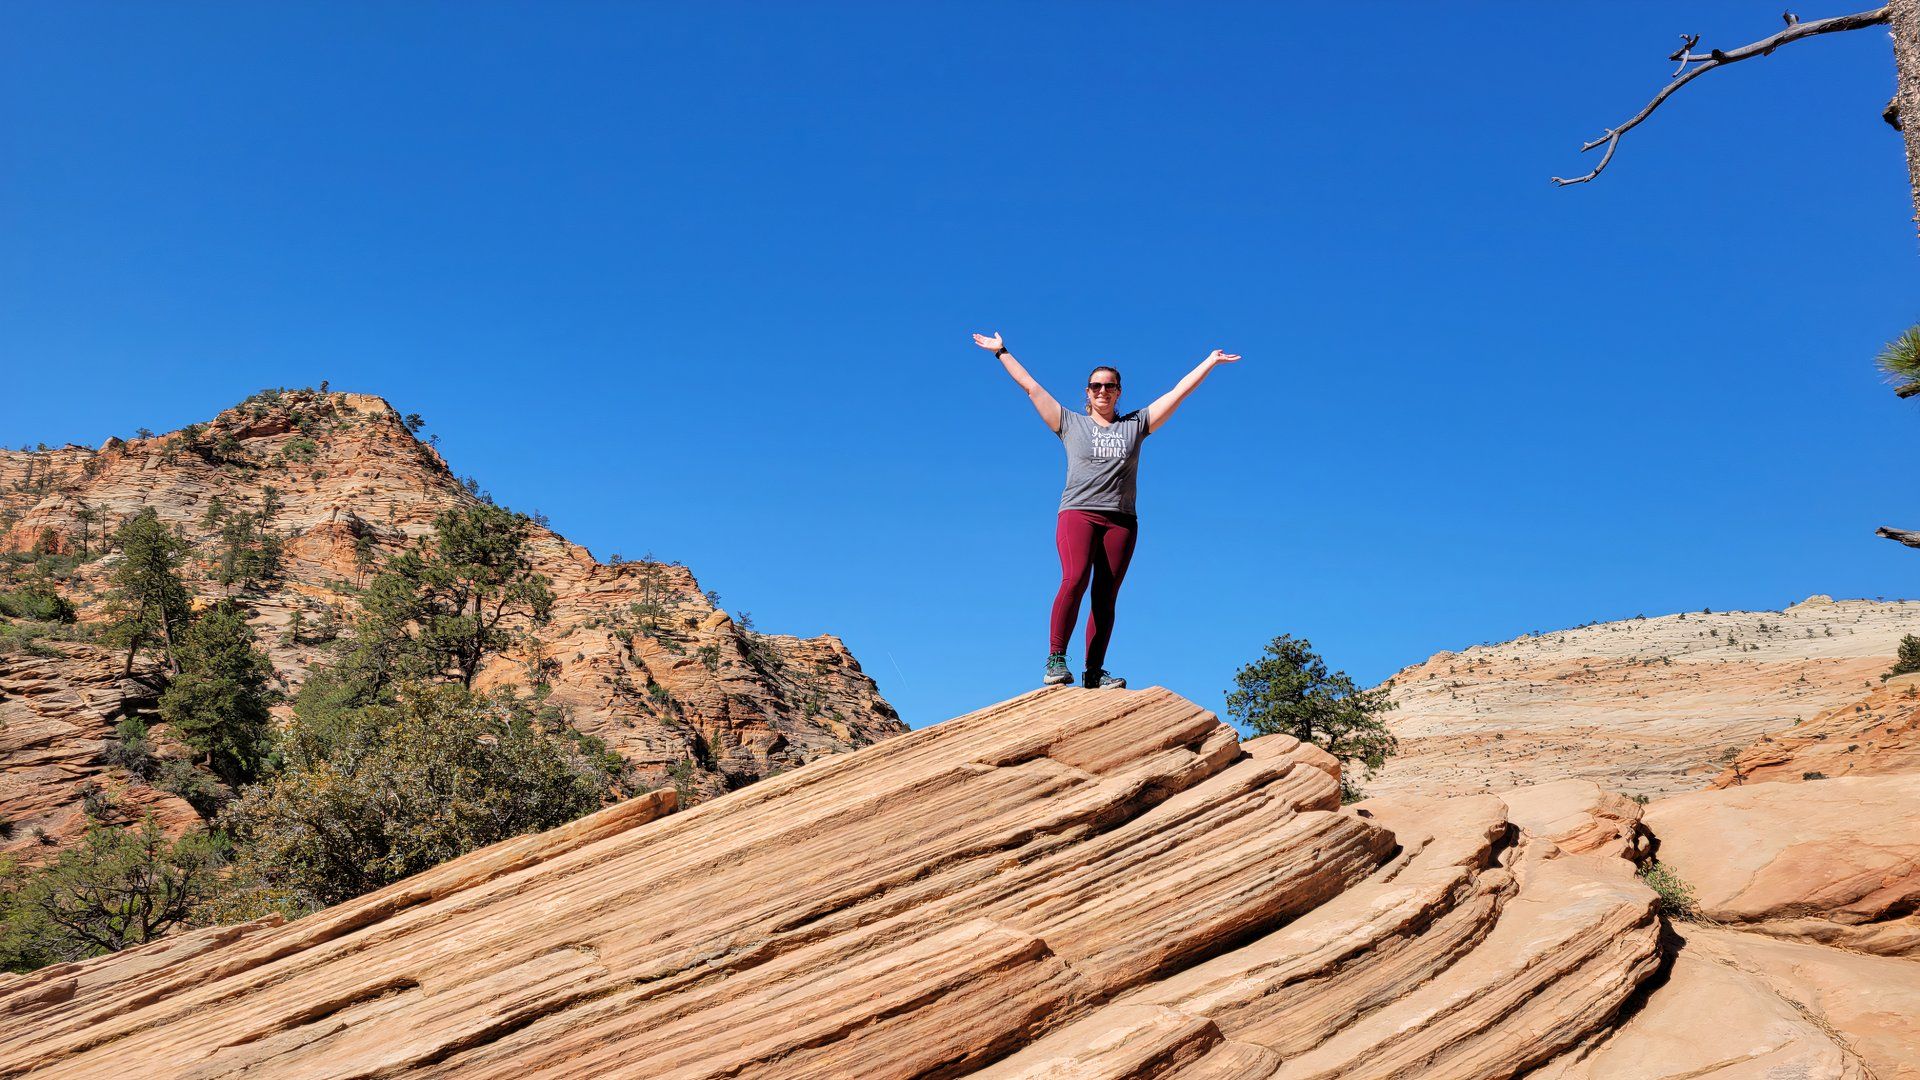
<point>1290,690</point>
<point>218,703</point>
<point>440,607</point>
<point>118,887</point>
<point>363,556</point>
<point>1907,661</point>
<point>1900,360</point>
<point>148,600</point>
<point>87,516</point>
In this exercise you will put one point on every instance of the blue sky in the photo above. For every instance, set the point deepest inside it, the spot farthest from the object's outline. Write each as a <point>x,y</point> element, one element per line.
<point>698,280</point>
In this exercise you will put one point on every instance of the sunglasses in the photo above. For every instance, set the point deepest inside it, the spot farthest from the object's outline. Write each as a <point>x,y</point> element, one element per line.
<point>1097,387</point>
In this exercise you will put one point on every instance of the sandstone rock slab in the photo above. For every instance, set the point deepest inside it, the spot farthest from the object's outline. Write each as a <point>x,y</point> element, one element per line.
<point>1834,861</point>
<point>1069,883</point>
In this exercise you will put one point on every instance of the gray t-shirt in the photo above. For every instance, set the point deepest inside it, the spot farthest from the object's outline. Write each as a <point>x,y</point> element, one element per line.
<point>1102,462</point>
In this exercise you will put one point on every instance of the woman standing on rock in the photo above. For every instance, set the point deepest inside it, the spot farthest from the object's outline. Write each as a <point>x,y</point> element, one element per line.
<point>1097,527</point>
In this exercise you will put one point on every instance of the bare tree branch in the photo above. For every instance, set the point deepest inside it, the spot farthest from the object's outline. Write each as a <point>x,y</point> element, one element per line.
<point>1904,536</point>
<point>1718,58</point>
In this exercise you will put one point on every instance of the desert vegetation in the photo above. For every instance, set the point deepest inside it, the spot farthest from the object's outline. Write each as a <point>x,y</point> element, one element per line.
<point>391,761</point>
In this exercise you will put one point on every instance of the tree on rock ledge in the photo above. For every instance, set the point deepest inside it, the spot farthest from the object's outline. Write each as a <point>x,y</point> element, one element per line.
<point>148,601</point>
<point>442,606</point>
<point>1290,691</point>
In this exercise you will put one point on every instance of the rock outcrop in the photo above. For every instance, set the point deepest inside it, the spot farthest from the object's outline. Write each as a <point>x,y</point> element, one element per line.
<point>57,716</point>
<point>1647,707</point>
<point>1875,735</point>
<point>1833,861</point>
<point>636,652</point>
<point>1738,1006</point>
<point>1069,883</point>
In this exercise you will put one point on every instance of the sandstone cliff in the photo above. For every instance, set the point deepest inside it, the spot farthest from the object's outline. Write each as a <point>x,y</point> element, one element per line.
<point>1646,706</point>
<point>57,716</point>
<point>681,691</point>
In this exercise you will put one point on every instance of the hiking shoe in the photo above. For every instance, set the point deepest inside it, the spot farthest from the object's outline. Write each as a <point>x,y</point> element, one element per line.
<point>1057,673</point>
<point>1098,679</point>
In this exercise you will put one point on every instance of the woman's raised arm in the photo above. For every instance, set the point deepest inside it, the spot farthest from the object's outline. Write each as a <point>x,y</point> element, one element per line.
<point>1163,406</point>
<point>1043,402</point>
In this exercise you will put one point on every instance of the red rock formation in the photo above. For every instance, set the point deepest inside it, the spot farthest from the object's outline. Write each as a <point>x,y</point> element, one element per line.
<point>1739,1005</point>
<point>1835,861</point>
<point>681,687</point>
<point>1070,883</point>
<point>57,714</point>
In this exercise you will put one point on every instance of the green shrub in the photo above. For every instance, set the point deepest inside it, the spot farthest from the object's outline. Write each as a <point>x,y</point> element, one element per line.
<point>369,794</point>
<point>36,602</point>
<point>27,637</point>
<point>1676,896</point>
<point>130,748</point>
<point>299,448</point>
<point>198,787</point>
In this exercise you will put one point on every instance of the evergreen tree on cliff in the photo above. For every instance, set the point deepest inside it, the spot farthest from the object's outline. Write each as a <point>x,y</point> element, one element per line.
<point>218,703</point>
<point>148,601</point>
<point>440,607</point>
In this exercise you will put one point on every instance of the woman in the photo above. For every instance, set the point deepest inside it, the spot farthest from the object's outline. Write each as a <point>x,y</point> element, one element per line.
<point>1096,528</point>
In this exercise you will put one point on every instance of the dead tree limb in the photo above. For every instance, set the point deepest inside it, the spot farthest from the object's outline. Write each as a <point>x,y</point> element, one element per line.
<point>1904,20</point>
<point>1719,58</point>
<point>1904,536</point>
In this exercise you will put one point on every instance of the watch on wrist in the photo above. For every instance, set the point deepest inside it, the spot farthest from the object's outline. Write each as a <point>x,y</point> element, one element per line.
<point>1001,351</point>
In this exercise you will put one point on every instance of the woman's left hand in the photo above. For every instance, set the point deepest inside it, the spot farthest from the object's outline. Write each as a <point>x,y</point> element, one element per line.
<point>1218,357</point>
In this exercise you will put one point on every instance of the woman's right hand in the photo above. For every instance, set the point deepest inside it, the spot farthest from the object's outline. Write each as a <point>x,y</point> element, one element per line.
<point>991,344</point>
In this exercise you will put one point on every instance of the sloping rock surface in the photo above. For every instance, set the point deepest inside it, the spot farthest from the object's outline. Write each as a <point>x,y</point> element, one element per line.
<point>1070,883</point>
<point>1738,1006</point>
<point>1833,861</point>
<point>1645,706</point>
<point>1879,733</point>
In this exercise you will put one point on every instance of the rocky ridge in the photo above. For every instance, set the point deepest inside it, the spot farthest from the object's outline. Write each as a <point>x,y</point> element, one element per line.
<point>673,685</point>
<point>1877,734</point>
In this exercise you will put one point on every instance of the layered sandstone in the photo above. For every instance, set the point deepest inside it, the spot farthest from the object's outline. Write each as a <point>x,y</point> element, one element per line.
<point>1647,707</point>
<point>1069,883</point>
<point>1876,734</point>
<point>57,716</point>
<point>635,651</point>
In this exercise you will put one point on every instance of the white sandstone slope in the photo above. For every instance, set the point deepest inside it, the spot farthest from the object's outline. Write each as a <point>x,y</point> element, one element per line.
<point>1646,706</point>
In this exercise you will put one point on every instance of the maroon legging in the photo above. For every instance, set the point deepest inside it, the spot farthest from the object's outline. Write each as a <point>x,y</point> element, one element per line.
<point>1099,541</point>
